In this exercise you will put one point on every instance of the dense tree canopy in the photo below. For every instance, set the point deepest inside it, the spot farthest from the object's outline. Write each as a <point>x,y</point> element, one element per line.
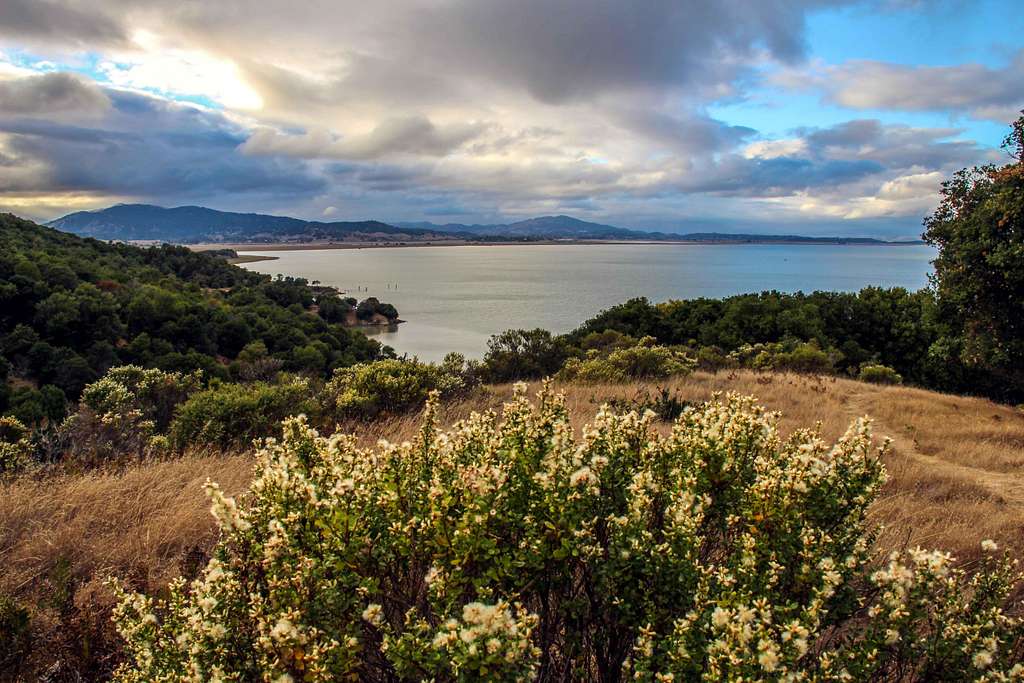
<point>979,274</point>
<point>891,326</point>
<point>70,308</point>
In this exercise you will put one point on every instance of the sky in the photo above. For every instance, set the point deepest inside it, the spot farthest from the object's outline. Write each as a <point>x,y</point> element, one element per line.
<point>813,117</point>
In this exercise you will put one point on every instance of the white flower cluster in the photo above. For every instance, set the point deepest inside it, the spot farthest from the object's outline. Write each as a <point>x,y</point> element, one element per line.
<point>507,549</point>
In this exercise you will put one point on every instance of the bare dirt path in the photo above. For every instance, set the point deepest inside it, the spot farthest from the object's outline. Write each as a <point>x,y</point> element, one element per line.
<point>1008,486</point>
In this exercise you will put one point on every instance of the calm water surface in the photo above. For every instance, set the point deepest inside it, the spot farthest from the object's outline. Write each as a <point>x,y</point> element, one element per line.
<point>454,298</point>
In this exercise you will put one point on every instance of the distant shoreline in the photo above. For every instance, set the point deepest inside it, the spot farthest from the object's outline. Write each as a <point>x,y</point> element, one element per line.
<point>317,246</point>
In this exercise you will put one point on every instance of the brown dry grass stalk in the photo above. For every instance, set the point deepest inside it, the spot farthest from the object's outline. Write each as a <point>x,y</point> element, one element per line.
<point>955,477</point>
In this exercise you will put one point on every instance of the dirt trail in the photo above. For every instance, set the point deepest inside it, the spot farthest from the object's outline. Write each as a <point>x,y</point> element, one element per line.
<point>1008,486</point>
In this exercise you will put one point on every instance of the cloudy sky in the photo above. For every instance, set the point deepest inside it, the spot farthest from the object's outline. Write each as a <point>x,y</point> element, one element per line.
<point>816,117</point>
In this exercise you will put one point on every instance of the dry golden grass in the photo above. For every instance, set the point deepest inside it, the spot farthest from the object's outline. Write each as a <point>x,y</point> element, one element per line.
<point>955,478</point>
<point>61,536</point>
<point>138,522</point>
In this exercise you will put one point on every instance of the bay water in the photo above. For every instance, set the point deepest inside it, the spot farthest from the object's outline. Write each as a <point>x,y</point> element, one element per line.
<point>453,298</point>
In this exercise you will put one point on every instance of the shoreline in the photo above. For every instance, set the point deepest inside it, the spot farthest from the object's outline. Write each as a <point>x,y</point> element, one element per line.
<point>319,246</point>
<point>251,258</point>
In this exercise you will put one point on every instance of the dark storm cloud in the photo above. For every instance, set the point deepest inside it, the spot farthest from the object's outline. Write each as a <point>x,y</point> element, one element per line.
<point>557,50</point>
<point>71,24</point>
<point>420,51</point>
<point>51,93</point>
<point>152,148</point>
<point>848,134</point>
<point>829,158</point>
<point>893,145</point>
<point>572,49</point>
<point>693,133</point>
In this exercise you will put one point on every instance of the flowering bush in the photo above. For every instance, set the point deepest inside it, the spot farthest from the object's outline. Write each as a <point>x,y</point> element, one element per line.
<point>645,360</point>
<point>124,411</point>
<point>15,446</point>
<point>395,386</point>
<point>517,550</point>
<point>792,356</point>
<point>876,373</point>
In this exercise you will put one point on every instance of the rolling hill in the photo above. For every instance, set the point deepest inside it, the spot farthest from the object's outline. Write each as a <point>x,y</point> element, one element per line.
<point>200,224</point>
<point>191,224</point>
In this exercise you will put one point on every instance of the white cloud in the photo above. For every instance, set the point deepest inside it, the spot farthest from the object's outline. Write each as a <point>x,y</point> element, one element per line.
<point>982,92</point>
<point>772,149</point>
<point>916,186</point>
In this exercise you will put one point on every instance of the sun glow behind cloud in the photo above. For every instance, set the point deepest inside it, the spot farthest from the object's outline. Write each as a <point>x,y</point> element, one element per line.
<point>155,66</point>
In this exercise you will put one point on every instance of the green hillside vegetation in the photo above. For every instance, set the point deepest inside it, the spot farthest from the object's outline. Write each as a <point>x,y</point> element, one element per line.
<point>71,308</point>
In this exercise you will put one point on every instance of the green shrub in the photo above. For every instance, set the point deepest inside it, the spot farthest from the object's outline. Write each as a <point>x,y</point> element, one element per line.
<point>806,357</point>
<point>877,373</point>
<point>893,326</point>
<point>333,308</point>
<point>233,415</point>
<point>120,413</point>
<point>608,340</point>
<point>371,306</point>
<point>153,392</point>
<point>15,447</point>
<point>255,364</point>
<point>509,551</point>
<point>46,405</point>
<point>393,386</point>
<point>666,405</point>
<point>523,354</point>
<point>713,359</point>
<point>642,361</point>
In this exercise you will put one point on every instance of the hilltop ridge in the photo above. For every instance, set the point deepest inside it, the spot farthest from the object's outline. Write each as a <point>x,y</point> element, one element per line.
<point>192,224</point>
<point>198,223</point>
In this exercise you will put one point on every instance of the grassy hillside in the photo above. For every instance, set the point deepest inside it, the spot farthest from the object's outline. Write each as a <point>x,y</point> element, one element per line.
<point>956,476</point>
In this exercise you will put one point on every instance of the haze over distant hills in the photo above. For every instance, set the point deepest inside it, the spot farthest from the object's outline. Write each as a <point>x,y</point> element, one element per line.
<point>191,224</point>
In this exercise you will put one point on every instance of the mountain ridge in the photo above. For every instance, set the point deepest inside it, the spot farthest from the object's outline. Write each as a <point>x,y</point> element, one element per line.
<point>197,223</point>
<point>192,224</point>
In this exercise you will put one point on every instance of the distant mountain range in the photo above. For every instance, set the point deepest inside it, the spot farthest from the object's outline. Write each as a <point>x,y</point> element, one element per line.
<point>557,227</point>
<point>192,224</point>
<point>567,227</point>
